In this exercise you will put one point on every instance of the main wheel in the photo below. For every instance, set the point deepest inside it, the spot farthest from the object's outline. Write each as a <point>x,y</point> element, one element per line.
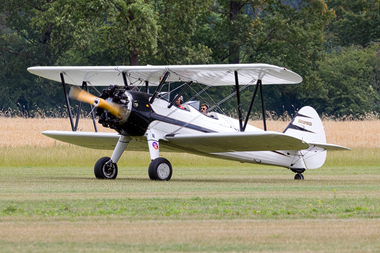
<point>160,169</point>
<point>298,176</point>
<point>105,169</point>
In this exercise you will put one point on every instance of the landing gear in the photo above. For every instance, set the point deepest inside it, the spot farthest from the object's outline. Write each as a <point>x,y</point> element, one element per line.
<point>160,169</point>
<point>298,176</point>
<point>105,169</point>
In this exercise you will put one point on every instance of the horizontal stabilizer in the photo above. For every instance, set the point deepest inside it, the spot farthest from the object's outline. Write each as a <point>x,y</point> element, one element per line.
<point>329,147</point>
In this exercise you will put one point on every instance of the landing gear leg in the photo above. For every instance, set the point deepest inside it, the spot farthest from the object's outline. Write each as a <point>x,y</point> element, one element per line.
<point>105,167</point>
<point>159,168</point>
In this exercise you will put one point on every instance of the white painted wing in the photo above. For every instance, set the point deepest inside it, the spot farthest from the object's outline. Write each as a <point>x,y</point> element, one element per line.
<point>327,146</point>
<point>211,75</point>
<point>104,141</point>
<point>238,141</point>
<point>85,139</point>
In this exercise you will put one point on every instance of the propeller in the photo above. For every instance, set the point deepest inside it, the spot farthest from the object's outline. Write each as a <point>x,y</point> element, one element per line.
<point>117,110</point>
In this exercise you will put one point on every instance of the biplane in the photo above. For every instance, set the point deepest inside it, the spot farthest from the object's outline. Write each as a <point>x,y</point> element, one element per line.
<point>145,121</point>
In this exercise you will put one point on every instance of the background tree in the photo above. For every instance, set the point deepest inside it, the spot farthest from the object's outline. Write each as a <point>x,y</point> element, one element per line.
<point>289,33</point>
<point>113,32</point>
<point>350,82</point>
<point>284,33</point>
<point>67,32</point>
<point>350,71</point>
<point>179,22</point>
<point>23,43</point>
<point>357,22</point>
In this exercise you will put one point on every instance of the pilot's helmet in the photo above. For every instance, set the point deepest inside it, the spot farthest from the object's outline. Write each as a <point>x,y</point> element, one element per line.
<point>180,99</point>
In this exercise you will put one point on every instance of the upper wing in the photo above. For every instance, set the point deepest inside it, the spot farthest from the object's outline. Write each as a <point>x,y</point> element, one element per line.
<point>237,141</point>
<point>211,75</point>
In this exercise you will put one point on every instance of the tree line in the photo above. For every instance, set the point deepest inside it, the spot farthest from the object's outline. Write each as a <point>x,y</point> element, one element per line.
<point>333,44</point>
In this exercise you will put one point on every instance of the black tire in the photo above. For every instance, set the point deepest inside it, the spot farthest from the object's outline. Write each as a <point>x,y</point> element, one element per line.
<point>160,169</point>
<point>105,169</point>
<point>298,176</point>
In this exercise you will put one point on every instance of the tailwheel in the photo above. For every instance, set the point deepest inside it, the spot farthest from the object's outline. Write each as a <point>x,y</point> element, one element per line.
<point>160,169</point>
<point>298,176</point>
<point>105,169</point>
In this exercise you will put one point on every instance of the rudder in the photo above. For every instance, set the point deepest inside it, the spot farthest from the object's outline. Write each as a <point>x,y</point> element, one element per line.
<point>307,125</point>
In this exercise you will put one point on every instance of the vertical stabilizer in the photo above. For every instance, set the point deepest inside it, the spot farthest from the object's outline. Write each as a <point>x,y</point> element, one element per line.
<point>307,125</point>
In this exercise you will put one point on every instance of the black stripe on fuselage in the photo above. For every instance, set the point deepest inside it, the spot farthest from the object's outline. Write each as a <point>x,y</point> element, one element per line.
<point>279,153</point>
<point>155,116</point>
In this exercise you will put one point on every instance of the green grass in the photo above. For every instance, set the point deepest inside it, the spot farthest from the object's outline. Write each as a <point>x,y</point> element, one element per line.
<point>196,208</point>
<point>68,155</point>
<point>50,200</point>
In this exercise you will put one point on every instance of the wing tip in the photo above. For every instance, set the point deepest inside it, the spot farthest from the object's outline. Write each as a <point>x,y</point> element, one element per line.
<point>330,147</point>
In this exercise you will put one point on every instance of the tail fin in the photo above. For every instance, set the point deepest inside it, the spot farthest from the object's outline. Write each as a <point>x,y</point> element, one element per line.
<point>307,125</point>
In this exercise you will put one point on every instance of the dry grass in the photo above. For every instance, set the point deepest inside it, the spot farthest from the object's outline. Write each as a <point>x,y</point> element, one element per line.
<point>18,132</point>
<point>352,134</point>
<point>355,134</point>
<point>198,236</point>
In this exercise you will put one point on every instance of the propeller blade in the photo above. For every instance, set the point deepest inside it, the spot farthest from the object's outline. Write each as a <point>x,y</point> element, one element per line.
<point>81,95</point>
<point>86,97</point>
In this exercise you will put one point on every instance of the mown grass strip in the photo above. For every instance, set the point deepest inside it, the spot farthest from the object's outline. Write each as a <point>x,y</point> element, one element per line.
<point>199,208</point>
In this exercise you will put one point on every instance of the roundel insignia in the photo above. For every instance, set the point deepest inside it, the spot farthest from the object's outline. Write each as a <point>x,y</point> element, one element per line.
<point>155,145</point>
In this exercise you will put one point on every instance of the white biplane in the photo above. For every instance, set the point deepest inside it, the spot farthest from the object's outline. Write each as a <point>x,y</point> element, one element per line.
<point>149,122</point>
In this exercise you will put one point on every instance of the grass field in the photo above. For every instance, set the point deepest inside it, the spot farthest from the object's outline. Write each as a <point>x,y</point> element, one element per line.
<point>50,200</point>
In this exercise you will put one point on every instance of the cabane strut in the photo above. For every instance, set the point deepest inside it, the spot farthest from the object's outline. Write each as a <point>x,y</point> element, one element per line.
<point>167,73</point>
<point>258,85</point>
<point>75,127</point>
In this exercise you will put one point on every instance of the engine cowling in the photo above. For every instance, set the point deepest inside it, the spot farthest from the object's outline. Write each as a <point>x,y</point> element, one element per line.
<point>118,95</point>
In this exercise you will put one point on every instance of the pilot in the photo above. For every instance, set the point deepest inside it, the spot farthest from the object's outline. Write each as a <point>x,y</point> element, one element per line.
<point>178,103</point>
<point>204,108</point>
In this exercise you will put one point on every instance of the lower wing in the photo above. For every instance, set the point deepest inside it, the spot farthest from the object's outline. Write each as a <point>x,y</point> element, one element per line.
<point>235,141</point>
<point>92,140</point>
<point>199,143</point>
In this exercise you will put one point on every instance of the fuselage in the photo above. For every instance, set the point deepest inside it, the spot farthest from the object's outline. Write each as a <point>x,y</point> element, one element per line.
<point>172,121</point>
